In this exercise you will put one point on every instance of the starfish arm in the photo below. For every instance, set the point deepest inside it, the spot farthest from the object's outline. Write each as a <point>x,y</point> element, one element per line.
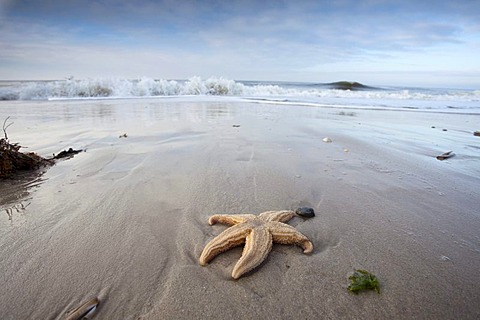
<point>229,238</point>
<point>257,246</point>
<point>229,219</point>
<point>285,234</point>
<point>280,216</point>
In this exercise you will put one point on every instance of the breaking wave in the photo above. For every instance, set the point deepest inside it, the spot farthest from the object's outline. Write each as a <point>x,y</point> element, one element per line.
<point>337,93</point>
<point>119,88</point>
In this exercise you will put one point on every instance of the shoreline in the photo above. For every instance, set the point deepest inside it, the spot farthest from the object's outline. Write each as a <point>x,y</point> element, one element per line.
<point>126,220</point>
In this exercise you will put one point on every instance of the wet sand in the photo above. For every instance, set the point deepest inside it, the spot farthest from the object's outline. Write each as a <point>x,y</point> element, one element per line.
<point>126,220</point>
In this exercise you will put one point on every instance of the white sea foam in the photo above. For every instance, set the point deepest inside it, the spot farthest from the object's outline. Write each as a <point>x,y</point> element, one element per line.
<point>305,93</point>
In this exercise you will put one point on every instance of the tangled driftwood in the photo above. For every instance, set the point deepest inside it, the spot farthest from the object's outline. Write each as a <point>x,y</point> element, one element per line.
<point>12,160</point>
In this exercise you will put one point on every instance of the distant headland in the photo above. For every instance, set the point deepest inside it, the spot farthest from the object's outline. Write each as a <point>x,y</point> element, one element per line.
<point>348,85</point>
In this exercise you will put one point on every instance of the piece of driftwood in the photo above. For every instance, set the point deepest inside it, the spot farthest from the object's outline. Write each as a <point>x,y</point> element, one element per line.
<point>445,155</point>
<point>66,153</point>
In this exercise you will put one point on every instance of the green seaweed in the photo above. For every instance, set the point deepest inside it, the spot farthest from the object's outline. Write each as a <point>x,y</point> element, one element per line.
<point>363,280</point>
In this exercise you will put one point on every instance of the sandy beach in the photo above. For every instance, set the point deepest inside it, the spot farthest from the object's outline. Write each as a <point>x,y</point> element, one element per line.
<point>127,220</point>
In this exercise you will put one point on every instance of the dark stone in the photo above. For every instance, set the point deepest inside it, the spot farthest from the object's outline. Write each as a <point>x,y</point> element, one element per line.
<point>305,212</point>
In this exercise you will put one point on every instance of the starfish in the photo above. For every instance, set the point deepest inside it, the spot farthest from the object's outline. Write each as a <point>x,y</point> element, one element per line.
<point>258,233</point>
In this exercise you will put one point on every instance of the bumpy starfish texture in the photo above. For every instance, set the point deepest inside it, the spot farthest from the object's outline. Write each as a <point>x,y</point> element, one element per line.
<point>258,233</point>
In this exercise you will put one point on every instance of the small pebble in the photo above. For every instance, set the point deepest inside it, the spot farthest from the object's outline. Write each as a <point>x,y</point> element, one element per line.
<point>445,258</point>
<point>306,212</point>
<point>327,140</point>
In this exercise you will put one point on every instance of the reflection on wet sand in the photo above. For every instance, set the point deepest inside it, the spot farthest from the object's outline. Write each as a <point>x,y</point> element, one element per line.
<point>17,192</point>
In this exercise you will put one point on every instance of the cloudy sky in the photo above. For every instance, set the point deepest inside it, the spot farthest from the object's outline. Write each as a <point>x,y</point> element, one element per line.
<point>431,43</point>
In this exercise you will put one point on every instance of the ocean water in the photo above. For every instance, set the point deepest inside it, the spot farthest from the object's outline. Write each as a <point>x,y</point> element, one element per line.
<point>337,94</point>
